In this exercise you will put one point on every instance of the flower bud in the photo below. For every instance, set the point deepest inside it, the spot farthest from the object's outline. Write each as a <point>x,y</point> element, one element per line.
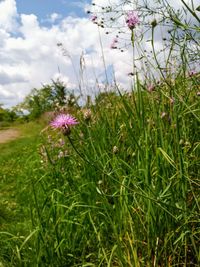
<point>115,150</point>
<point>154,23</point>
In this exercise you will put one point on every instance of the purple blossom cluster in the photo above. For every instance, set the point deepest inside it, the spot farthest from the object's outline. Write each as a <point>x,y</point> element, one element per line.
<point>63,121</point>
<point>132,19</point>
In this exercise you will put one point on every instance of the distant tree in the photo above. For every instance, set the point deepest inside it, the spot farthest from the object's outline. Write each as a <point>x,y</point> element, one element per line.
<point>59,92</point>
<point>7,115</point>
<point>45,99</point>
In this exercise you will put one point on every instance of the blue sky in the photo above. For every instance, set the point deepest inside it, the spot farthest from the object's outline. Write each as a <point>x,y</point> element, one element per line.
<point>43,8</point>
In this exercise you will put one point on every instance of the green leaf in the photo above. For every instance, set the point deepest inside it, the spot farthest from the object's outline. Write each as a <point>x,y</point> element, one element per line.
<point>198,8</point>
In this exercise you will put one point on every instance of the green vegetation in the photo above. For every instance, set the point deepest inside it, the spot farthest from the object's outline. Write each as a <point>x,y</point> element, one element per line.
<point>47,98</point>
<point>121,190</point>
<point>17,158</point>
<point>6,116</point>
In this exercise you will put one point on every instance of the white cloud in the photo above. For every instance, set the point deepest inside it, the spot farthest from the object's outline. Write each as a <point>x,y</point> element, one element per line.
<point>54,17</point>
<point>8,15</point>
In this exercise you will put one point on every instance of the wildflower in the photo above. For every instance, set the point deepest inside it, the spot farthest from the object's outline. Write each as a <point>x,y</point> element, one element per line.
<point>93,18</point>
<point>192,73</point>
<point>63,122</point>
<point>150,88</point>
<point>132,19</point>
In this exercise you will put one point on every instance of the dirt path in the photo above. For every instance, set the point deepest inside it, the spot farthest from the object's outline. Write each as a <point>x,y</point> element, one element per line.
<point>8,135</point>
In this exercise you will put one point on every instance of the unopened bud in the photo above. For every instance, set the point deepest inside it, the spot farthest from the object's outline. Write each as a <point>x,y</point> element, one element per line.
<point>154,23</point>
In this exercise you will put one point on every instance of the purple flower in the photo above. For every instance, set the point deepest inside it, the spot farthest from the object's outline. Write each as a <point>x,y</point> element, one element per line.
<point>63,121</point>
<point>93,18</point>
<point>132,19</point>
<point>192,73</point>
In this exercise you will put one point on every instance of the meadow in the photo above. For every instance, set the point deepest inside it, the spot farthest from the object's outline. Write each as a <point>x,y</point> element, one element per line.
<point>121,186</point>
<point>122,189</point>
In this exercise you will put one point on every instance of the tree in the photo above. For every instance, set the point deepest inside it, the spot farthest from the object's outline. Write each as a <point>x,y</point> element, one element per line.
<point>7,115</point>
<point>45,99</point>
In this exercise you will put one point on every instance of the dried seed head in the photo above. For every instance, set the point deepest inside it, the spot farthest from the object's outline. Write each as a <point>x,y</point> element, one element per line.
<point>154,23</point>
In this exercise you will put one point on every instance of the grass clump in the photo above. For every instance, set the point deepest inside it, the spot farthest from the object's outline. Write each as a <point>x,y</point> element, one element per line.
<point>19,161</point>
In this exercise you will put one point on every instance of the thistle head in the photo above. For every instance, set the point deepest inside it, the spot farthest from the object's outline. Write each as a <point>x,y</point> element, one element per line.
<point>132,19</point>
<point>63,122</point>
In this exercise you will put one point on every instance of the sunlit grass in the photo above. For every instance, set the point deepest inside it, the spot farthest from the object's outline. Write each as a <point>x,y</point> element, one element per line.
<point>121,190</point>
<point>18,159</point>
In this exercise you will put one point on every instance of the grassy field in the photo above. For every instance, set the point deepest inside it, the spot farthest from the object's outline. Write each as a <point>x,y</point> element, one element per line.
<point>121,190</point>
<point>18,159</point>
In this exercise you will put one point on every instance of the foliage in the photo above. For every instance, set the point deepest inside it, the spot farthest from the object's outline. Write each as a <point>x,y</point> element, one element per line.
<point>121,190</point>
<point>166,38</point>
<point>7,116</point>
<point>45,99</point>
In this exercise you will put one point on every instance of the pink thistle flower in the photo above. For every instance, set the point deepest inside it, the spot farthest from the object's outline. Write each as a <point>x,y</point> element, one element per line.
<point>132,19</point>
<point>63,122</point>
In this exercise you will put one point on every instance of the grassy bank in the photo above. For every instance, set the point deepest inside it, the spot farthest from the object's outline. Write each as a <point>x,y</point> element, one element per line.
<point>18,159</point>
<point>121,190</point>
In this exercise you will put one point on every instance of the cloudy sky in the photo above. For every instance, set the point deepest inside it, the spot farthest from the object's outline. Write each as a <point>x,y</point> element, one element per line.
<point>30,57</point>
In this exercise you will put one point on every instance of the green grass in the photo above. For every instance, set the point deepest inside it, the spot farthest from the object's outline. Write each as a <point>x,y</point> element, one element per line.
<point>126,193</point>
<point>18,159</point>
